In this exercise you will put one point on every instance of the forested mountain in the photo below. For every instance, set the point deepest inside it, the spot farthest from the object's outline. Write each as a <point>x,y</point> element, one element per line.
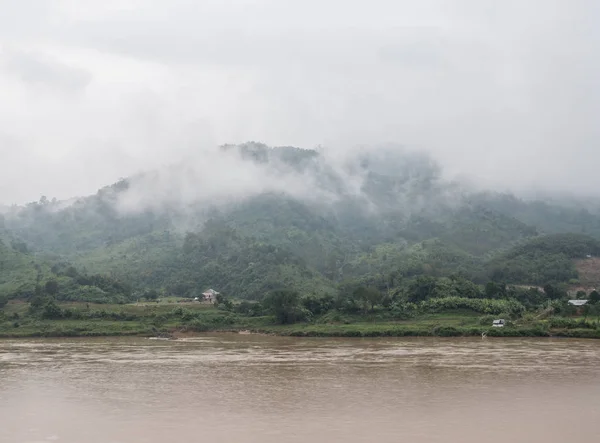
<point>250,219</point>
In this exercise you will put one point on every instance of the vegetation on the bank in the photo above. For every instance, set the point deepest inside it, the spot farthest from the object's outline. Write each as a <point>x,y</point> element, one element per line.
<point>358,313</point>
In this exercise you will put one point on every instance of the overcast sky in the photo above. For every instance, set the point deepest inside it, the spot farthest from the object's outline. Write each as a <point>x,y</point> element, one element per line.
<point>504,91</point>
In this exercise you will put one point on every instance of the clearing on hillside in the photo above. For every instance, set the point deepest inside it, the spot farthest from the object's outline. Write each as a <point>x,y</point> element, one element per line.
<point>589,272</point>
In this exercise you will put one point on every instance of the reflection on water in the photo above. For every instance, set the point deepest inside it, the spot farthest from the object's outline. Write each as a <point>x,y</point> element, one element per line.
<point>245,388</point>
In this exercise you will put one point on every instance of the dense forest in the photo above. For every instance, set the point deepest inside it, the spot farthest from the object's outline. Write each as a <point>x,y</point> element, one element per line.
<point>380,228</point>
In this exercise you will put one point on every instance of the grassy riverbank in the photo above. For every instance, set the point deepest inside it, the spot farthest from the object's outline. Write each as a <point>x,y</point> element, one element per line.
<point>422,329</point>
<point>152,319</point>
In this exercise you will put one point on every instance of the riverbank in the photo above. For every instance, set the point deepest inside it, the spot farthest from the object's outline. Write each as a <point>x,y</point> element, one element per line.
<point>112,329</point>
<point>172,319</point>
<point>424,330</point>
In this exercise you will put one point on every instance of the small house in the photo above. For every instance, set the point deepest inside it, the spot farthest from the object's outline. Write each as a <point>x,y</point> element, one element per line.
<point>499,323</point>
<point>578,302</point>
<point>210,295</point>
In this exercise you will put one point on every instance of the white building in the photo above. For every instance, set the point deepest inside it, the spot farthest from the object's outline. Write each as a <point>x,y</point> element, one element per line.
<point>210,295</point>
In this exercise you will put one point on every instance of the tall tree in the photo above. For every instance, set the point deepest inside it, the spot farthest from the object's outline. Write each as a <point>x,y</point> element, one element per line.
<point>51,287</point>
<point>284,304</point>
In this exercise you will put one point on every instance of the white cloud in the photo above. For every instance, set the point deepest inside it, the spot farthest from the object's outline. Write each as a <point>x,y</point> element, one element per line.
<point>41,72</point>
<point>91,91</point>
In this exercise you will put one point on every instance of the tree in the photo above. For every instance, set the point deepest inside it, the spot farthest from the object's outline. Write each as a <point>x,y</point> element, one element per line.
<point>223,302</point>
<point>51,310</point>
<point>151,294</point>
<point>36,302</point>
<point>251,309</point>
<point>531,297</point>
<point>367,296</point>
<point>553,292</point>
<point>595,310</point>
<point>318,304</point>
<point>495,290</point>
<point>421,289</point>
<point>465,287</point>
<point>586,309</point>
<point>285,305</point>
<point>594,297</point>
<point>51,287</point>
<point>71,272</point>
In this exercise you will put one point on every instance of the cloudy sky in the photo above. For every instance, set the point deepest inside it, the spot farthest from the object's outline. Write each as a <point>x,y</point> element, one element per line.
<point>506,92</point>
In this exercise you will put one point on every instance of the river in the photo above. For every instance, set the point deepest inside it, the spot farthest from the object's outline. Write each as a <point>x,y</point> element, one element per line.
<point>246,388</point>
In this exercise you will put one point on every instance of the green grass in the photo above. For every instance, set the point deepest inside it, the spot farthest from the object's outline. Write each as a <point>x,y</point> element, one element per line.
<point>74,328</point>
<point>130,319</point>
<point>149,319</point>
<point>141,308</point>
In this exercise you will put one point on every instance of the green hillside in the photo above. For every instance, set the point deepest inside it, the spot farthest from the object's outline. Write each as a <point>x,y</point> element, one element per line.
<point>19,270</point>
<point>545,259</point>
<point>386,219</point>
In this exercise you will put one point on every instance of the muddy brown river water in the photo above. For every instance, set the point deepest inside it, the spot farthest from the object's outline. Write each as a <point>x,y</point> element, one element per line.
<point>244,388</point>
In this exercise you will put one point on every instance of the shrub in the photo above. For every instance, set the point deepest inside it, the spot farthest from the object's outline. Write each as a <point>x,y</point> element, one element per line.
<point>250,309</point>
<point>198,326</point>
<point>223,320</point>
<point>561,322</point>
<point>51,311</point>
<point>446,331</point>
<point>402,310</point>
<point>486,320</point>
<point>318,305</point>
<point>184,313</point>
<point>583,324</point>
<point>159,320</point>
